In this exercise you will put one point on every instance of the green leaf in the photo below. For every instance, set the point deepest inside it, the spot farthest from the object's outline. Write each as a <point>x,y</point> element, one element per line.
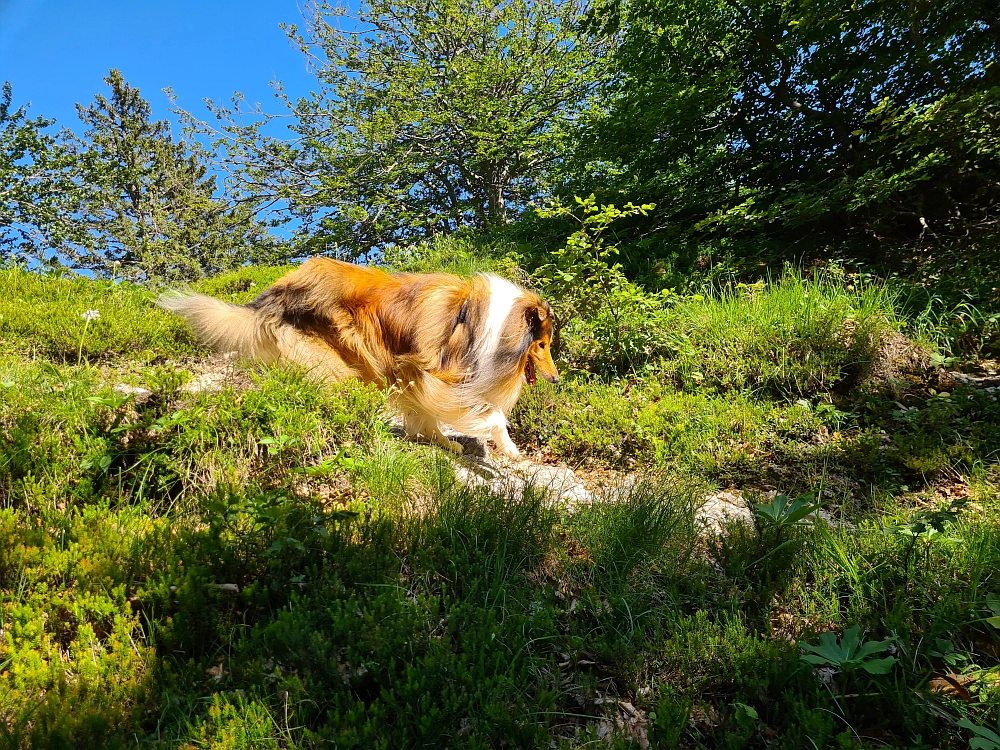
<point>817,659</point>
<point>849,642</point>
<point>849,653</point>
<point>798,511</point>
<point>748,710</point>
<point>987,734</point>
<point>871,647</point>
<point>993,602</point>
<point>879,666</point>
<point>782,511</point>
<point>745,715</point>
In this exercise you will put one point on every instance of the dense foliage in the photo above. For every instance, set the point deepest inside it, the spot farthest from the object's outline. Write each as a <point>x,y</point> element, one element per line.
<point>765,132</point>
<point>793,128</point>
<point>36,190</point>
<point>427,118</point>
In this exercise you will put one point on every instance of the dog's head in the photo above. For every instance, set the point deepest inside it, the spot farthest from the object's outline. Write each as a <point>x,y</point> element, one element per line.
<point>540,319</point>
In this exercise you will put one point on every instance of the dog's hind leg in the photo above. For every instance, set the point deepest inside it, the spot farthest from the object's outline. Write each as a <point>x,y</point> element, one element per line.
<point>321,361</point>
<point>424,426</point>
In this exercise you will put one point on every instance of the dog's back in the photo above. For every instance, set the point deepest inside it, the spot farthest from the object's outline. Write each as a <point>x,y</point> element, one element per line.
<point>339,320</point>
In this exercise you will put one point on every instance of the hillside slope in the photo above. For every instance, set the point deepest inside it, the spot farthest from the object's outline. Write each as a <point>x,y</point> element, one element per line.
<point>197,552</point>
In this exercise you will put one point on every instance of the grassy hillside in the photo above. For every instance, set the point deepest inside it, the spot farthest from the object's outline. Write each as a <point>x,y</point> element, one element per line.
<point>203,553</point>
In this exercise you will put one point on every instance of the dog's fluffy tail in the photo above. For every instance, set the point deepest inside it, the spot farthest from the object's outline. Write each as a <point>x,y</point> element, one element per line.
<point>252,335</point>
<point>224,327</point>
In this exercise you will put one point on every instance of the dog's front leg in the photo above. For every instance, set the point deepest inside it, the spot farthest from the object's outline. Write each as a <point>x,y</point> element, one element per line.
<point>428,428</point>
<point>498,431</point>
<point>452,445</point>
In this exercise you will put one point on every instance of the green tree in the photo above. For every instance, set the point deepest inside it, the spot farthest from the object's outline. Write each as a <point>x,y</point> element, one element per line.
<point>429,116</point>
<point>36,187</point>
<point>808,123</point>
<point>149,205</point>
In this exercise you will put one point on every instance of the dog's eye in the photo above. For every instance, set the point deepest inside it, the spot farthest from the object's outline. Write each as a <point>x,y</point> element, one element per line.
<point>541,344</point>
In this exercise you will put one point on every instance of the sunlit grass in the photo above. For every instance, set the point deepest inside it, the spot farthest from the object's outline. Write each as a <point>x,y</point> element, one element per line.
<point>267,564</point>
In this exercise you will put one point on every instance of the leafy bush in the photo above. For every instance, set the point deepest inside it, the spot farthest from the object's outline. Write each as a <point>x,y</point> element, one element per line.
<point>608,317</point>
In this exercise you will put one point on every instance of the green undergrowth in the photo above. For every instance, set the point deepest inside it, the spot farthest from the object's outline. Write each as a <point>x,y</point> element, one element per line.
<point>624,426</point>
<point>887,439</point>
<point>266,564</point>
<point>41,317</point>
<point>793,337</point>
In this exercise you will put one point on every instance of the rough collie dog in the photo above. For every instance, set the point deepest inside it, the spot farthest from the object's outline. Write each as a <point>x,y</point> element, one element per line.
<point>452,351</point>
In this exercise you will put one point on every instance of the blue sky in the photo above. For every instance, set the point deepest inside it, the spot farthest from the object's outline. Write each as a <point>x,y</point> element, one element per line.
<point>55,52</point>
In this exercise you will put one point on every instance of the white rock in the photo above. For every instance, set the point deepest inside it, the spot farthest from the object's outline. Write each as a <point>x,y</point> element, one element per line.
<point>139,393</point>
<point>720,507</point>
<point>208,381</point>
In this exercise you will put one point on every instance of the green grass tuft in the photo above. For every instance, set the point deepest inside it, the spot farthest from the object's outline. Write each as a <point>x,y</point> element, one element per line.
<point>794,337</point>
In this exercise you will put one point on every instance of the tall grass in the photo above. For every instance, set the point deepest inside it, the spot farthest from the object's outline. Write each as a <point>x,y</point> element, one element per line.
<point>642,526</point>
<point>795,336</point>
<point>955,329</point>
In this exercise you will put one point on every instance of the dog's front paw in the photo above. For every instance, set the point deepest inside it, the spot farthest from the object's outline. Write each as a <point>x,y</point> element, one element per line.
<point>509,450</point>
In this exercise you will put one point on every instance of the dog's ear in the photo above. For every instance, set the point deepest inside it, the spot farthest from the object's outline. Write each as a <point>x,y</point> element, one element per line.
<point>533,316</point>
<point>557,325</point>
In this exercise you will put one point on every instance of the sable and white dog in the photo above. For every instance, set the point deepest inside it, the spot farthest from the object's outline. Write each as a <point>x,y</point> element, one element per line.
<point>452,351</point>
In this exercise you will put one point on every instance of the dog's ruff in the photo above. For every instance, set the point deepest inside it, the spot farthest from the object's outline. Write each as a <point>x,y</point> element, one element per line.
<point>451,351</point>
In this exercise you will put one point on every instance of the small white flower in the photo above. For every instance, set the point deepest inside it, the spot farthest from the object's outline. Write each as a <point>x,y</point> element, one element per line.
<point>826,674</point>
<point>90,315</point>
